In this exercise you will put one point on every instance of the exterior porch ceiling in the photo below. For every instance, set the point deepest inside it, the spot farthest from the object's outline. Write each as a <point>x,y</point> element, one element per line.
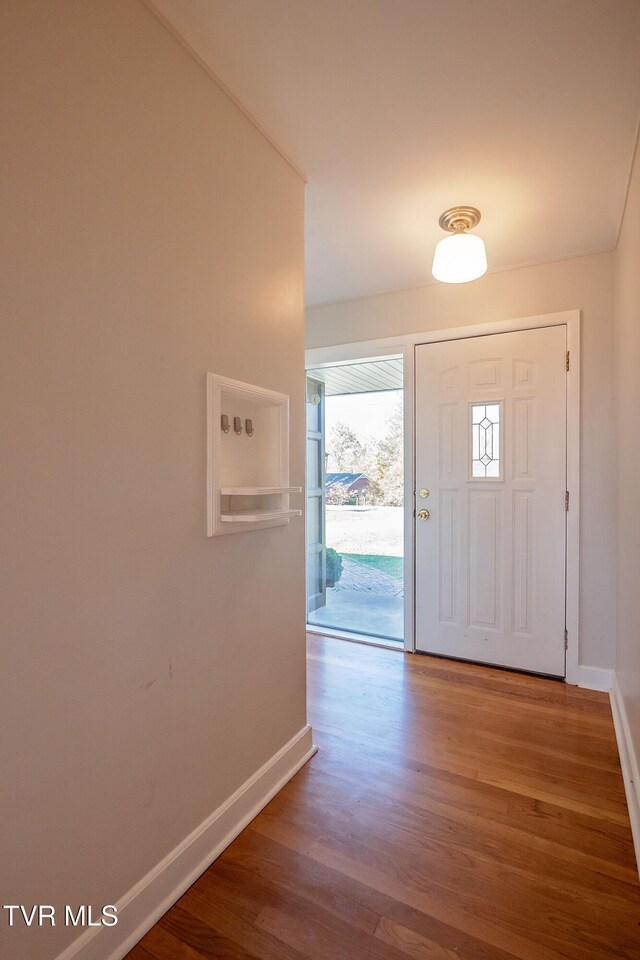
<point>367,377</point>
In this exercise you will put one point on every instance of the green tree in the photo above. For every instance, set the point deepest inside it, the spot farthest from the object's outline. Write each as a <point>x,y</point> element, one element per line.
<point>382,462</point>
<point>338,495</point>
<point>389,459</point>
<point>349,454</point>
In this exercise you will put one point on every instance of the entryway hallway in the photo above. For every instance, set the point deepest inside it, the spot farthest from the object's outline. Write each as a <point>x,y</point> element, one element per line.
<point>453,811</point>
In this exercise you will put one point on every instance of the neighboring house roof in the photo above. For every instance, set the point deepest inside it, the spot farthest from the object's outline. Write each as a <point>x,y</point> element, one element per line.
<point>349,481</point>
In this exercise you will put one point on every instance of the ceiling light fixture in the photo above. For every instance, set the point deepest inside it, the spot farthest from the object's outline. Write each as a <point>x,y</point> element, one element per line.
<point>460,257</point>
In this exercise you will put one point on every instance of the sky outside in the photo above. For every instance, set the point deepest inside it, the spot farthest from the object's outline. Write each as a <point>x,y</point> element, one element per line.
<point>367,414</point>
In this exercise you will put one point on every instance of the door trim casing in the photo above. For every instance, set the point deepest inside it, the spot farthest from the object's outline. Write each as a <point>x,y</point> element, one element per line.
<point>405,346</point>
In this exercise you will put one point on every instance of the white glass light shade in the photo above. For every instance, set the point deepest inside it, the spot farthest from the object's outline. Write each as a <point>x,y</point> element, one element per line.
<point>459,258</point>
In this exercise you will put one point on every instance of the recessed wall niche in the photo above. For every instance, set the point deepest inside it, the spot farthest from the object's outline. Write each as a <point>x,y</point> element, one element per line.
<point>247,457</point>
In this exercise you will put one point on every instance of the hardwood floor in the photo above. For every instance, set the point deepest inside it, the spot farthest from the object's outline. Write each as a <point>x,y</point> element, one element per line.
<point>453,812</point>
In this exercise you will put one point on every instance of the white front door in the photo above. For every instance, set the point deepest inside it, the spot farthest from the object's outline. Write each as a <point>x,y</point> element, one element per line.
<point>491,446</point>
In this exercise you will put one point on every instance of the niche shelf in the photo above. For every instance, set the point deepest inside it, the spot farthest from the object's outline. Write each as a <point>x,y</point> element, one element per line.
<point>247,469</point>
<point>256,491</point>
<point>261,514</point>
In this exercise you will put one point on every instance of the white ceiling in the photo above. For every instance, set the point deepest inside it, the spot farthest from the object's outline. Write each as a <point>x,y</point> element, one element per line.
<point>398,109</point>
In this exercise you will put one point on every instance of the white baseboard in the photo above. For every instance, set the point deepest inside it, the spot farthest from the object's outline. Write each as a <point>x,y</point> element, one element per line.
<point>628,762</point>
<point>152,896</point>
<point>593,678</point>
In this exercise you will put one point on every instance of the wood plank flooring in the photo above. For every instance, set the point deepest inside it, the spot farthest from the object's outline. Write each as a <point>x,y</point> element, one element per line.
<point>453,812</point>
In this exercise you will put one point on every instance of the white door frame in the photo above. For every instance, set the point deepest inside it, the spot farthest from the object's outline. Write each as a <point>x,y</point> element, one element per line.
<point>405,346</point>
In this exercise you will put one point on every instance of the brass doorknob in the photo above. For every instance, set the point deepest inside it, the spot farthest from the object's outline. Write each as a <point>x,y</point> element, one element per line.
<point>423,514</point>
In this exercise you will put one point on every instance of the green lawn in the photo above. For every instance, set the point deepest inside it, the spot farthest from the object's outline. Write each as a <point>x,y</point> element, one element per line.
<point>393,566</point>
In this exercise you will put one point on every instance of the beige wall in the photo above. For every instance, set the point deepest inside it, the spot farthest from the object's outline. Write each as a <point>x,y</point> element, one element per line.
<point>585,283</point>
<point>150,234</point>
<point>627,299</point>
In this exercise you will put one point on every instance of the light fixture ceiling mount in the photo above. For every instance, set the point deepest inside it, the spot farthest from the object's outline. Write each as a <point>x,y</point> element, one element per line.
<point>459,219</point>
<point>460,257</point>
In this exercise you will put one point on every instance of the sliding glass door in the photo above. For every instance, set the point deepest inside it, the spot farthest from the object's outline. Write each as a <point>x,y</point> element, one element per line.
<point>355,509</point>
<point>316,518</point>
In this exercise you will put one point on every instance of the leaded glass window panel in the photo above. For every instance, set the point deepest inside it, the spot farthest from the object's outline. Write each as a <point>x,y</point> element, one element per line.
<point>485,440</point>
